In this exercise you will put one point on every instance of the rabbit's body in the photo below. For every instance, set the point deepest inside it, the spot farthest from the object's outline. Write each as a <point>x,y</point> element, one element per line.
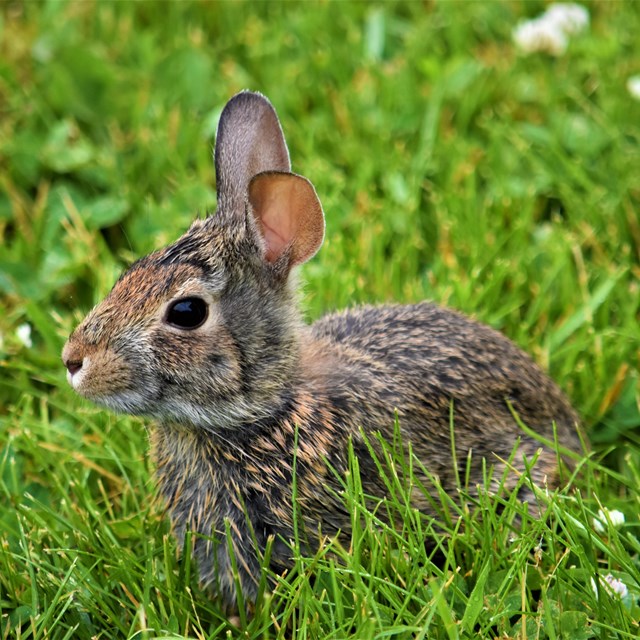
<point>345,381</point>
<point>205,336</point>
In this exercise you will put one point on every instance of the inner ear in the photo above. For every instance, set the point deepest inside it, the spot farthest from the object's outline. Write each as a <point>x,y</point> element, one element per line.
<point>289,216</point>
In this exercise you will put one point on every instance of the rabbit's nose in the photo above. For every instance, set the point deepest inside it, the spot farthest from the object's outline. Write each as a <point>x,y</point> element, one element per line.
<point>73,366</point>
<point>73,358</point>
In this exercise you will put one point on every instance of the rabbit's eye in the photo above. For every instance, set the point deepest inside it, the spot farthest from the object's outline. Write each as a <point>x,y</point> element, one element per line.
<point>187,313</point>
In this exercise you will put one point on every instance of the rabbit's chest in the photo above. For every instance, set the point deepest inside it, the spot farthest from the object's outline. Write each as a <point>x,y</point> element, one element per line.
<point>204,487</point>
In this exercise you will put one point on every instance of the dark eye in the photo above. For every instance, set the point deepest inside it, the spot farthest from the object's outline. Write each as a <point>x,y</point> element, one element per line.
<point>187,313</point>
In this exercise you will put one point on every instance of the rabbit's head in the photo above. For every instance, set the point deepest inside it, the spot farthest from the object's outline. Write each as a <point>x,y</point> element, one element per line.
<point>204,331</point>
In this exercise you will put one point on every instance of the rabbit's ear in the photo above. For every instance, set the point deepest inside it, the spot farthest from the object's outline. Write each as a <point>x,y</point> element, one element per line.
<point>249,141</point>
<point>289,217</point>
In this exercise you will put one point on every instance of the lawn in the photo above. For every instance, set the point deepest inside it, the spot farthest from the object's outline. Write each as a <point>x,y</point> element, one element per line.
<point>451,167</point>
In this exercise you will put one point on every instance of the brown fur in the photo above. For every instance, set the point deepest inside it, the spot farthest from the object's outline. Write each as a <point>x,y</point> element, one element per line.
<point>234,395</point>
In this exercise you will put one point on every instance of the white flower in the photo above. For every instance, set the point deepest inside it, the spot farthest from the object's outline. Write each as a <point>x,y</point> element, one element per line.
<point>549,32</point>
<point>23,333</point>
<point>538,35</point>
<point>568,17</point>
<point>613,586</point>
<point>633,87</point>
<point>615,517</point>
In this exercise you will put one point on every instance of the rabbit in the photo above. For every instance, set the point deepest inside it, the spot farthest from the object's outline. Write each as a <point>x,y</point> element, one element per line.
<point>205,336</point>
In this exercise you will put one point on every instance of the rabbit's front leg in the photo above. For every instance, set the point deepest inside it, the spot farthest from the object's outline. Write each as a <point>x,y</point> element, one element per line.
<point>228,562</point>
<point>207,497</point>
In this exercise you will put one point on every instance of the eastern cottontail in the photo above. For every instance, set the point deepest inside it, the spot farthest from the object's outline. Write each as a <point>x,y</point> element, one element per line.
<point>206,337</point>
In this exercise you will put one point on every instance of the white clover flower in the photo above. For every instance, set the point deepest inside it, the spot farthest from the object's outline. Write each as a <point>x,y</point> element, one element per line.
<point>612,585</point>
<point>538,35</point>
<point>615,517</point>
<point>23,333</point>
<point>633,87</point>
<point>549,32</point>
<point>570,18</point>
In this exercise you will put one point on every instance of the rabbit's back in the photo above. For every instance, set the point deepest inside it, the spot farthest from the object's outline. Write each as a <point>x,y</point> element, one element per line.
<point>432,365</point>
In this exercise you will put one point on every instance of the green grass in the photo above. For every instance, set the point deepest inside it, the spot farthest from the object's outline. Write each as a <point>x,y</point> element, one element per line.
<point>450,168</point>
